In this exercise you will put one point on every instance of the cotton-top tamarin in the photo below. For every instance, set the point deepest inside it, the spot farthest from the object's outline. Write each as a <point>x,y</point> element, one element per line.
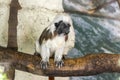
<point>56,39</point>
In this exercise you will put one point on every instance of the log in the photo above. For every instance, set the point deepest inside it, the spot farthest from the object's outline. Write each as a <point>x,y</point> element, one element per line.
<point>118,3</point>
<point>9,71</point>
<point>13,22</point>
<point>91,64</point>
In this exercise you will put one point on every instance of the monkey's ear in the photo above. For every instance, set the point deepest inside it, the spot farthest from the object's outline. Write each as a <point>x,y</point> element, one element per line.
<point>58,23</point>
<point>69,25</point>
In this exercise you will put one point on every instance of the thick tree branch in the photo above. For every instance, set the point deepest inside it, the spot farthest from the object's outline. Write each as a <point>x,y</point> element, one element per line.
<point>118,3</point>
<point>10,71</point>
<point>97,15</point>
<point>13,21</point>
<point>88,65</point>
<point>102,5</point>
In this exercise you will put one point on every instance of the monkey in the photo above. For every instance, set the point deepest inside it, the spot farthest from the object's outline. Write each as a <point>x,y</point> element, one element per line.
<point>53,41</point>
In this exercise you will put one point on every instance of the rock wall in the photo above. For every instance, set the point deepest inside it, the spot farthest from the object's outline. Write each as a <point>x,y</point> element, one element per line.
<point>34,16</point>
<point>4,16</point>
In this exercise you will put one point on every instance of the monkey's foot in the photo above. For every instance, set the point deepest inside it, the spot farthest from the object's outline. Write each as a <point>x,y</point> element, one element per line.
<point>59,64</point>
<point>37,54</point>
<point>44,64</point>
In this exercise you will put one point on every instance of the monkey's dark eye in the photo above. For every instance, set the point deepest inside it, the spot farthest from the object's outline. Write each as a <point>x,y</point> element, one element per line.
<point>58,23</point>
<point>68,25</point>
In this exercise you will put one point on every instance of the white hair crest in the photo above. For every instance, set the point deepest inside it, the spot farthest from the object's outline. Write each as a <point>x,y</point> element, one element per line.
<point>62,16</point>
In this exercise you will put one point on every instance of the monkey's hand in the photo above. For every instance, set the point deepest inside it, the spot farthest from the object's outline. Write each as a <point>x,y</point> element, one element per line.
<point>44,64</point>
<point>37,54</point>
<point>58,57</point>
<point>59,64</point>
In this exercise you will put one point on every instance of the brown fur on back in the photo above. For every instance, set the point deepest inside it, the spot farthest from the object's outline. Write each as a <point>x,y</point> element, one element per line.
<point>46,34</point>
<point>66,37</point>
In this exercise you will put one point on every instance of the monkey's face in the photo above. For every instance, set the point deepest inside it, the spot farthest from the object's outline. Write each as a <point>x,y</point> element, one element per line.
<point>62,27</point>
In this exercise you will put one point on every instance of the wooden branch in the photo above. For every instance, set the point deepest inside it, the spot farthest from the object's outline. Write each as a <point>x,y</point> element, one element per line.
<point>97,15</point>
<point>93,13</point>
<point>118,3</point>
<point>51,78</point>
<point>13,22</point>
<point>10,71</point>
<point>88,65</point>
<point>103,5</point>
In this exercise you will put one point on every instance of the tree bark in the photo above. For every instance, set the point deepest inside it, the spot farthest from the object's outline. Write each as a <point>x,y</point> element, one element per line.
<point>118,3</point>
<point>91,64</point>
<point>9,69</point>
<point>51,78</point>
<point>13,22</point>
<point>10,72</point>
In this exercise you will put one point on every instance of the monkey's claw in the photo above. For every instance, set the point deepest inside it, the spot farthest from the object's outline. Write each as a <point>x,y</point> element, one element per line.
<point>36,54</point>
<point>59,64</point>
<point>44,64</point>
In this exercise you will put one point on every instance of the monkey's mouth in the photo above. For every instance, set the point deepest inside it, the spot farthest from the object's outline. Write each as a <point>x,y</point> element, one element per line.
<point>67,32</point>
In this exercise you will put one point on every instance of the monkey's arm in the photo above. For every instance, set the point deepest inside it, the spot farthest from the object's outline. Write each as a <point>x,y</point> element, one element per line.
<point>45,55</point>
<point>58,57</point>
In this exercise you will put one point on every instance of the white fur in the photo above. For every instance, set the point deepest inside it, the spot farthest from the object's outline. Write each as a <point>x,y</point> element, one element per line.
<point>58,44</point>
<point>71,36</point>
<point>50,46</point>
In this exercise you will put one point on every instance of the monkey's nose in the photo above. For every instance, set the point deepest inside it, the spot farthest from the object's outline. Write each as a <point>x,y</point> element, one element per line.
<point>67,32</point>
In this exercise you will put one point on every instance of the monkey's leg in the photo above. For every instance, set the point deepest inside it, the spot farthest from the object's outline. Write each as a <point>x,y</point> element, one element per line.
<point>58,57</point>
<point>37,54</point>
<point>37,49</point>
<point>45,54</point>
